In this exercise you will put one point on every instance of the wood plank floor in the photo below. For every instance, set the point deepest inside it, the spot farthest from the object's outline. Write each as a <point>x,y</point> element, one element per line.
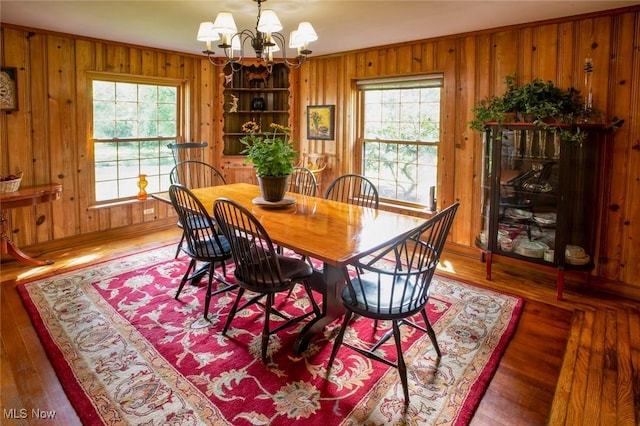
<point>599,382</point>
<point>553,345</point>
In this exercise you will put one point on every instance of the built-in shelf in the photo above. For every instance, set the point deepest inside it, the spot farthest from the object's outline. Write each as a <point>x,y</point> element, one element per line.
<point>274,97</point>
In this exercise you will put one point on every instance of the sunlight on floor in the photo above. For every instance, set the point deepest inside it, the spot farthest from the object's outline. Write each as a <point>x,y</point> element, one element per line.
<point>75,261</point>
<point>446,266</point>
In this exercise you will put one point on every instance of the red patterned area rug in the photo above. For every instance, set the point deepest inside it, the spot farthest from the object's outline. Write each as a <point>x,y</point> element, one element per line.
<point>127,352</point>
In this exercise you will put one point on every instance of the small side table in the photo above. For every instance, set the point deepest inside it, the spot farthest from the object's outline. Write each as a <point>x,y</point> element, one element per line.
<point>24,197</point>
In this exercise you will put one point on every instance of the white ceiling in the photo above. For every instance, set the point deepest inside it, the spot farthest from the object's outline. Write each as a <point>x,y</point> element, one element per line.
<point>341,25</point>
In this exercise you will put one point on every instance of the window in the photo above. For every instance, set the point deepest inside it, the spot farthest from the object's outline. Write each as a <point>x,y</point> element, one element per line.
<point>133,122</point>
<point>401,134</point>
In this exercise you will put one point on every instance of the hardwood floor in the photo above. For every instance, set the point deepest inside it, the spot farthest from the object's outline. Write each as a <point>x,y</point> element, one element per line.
<point>550,347</point>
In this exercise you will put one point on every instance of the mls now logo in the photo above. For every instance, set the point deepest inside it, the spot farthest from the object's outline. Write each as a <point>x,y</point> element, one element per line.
<point>23,413</point>
<point>14,413</point>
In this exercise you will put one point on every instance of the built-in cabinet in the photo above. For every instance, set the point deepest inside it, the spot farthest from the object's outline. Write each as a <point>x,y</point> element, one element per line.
<point>540,197</point>
<point>252,93</point>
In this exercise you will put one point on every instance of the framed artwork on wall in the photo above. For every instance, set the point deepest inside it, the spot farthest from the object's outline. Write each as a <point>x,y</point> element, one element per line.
<point>8,89</point>
<point>320,122</point>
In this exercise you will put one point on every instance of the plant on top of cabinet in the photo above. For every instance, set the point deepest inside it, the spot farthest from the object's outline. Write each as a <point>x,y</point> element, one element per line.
<point>540,102</point>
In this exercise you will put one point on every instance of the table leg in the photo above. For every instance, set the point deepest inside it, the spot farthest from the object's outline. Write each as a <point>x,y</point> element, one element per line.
<point>7,246</point>
<point>330,284</point>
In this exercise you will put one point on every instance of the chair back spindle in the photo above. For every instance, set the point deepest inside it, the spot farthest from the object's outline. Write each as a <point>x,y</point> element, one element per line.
<point>353,189</point>
<point>303,181</point>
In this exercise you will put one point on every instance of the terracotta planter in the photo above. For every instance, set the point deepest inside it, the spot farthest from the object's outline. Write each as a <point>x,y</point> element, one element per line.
<point>526,117</point>
<point>510,117</point>
<point>273,188</point>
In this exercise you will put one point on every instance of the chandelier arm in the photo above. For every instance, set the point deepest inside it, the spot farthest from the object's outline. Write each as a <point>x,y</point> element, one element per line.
<point>212,58</point>
<point>297,64</point>
<point>243,36</point>
<point>282,44</point>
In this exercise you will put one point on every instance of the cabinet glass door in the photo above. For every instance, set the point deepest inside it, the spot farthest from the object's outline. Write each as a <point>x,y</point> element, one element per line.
<point>520,188</point>
<point>529,188</point>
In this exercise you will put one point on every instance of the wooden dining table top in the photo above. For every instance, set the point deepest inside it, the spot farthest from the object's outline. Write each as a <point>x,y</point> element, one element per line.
<point>334,232</point>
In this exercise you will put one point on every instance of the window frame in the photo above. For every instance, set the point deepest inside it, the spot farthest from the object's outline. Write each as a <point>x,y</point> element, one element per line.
<point>181,118</point>
<point>361,86</point>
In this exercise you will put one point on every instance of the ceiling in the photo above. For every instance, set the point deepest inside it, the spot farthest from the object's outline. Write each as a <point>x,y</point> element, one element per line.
<point>341,25</point>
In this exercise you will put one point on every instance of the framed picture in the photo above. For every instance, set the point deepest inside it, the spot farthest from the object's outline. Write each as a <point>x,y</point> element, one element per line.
<point>320,122</point>
<point>8,89</point>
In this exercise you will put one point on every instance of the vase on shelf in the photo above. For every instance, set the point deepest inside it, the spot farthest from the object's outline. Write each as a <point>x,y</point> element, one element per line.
<point>542,144</point>
<point>556,145</point>
<point>517,142</point>
<point>528,143</point>
<point>142,184</point>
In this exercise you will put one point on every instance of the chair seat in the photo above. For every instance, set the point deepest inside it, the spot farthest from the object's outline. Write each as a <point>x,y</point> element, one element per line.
<point>205,250</point>
<point>196,222</point>
<point>378,297</point>
<point>292,270</point>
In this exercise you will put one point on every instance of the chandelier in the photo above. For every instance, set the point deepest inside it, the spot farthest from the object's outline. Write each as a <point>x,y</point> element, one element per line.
<point>265,41</point>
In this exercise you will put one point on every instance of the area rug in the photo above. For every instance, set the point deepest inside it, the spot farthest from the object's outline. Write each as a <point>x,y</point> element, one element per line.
<point>127,352</point>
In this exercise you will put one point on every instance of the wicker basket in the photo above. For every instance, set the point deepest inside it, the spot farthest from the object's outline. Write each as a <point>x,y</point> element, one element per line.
<point>10,185</point>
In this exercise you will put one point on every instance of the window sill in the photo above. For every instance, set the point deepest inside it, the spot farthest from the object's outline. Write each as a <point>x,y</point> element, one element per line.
<point>408,210</point>
<point>117,204</point>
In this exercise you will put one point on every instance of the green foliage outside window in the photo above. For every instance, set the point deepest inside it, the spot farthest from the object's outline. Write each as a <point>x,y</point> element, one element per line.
<point>132,125</point>
<point>401,136</point>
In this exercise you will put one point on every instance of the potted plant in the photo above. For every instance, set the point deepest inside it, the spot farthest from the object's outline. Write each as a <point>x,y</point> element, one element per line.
<point>272,155</point>
<point>538,102</point>
<point>498,109</point>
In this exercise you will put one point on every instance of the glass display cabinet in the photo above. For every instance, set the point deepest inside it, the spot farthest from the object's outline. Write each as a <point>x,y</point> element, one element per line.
<point>540,198</point>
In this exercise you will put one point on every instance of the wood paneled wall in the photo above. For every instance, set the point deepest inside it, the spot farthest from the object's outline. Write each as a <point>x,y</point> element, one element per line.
<point>47,137</point>
<point>474,66</point>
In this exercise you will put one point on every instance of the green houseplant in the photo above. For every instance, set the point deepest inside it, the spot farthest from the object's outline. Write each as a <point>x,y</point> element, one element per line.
<point>539,102</point>
<point>272,155</point>
<point>498,109</point>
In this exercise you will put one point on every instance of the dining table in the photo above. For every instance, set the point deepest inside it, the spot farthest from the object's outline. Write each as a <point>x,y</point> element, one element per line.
<point>332,232</point>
